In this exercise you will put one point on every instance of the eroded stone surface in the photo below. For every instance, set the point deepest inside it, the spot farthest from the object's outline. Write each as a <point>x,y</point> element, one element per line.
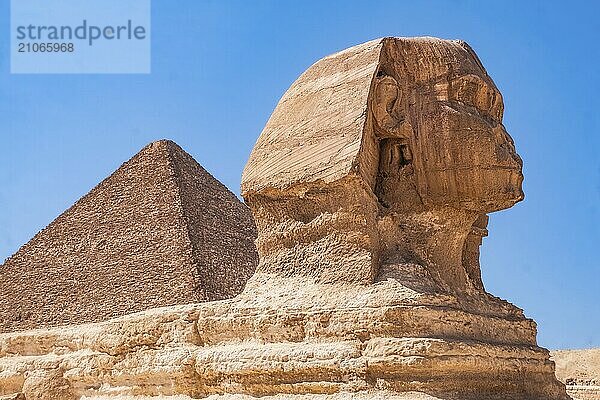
<point>370,187</point>
<point>389,151</point>
<point>240,346</point>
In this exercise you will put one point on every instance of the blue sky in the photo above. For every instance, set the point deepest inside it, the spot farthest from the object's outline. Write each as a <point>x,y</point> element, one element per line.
<point>219,68</point>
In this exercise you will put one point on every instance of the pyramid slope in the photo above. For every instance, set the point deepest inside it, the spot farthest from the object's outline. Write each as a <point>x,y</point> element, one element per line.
<point>222,269</point>
<point>128,245</point>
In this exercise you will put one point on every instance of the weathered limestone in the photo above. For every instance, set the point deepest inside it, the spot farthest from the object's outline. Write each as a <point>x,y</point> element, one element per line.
<point>370,187</point>
<point>376,171</point>
<point>580,371</point>
<point>242,346</point>
<point>390,149</point>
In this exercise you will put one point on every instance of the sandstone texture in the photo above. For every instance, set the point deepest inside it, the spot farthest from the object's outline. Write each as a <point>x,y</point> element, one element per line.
<point>580,371</point>
<point>370,188</point>
<point>159,231</point>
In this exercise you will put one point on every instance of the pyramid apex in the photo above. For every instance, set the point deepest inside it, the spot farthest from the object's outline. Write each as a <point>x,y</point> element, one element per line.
<point>161,143</point>
<point>167,146</point>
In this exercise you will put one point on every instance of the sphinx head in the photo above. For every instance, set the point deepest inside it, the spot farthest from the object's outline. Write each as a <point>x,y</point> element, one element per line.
<point>371,151</point>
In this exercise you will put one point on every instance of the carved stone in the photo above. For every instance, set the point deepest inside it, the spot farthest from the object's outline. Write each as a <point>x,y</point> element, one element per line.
<point>392,151</point>
<point>370,187</point>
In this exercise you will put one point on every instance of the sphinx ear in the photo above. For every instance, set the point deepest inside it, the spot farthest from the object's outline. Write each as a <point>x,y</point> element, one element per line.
<point>386,106</point>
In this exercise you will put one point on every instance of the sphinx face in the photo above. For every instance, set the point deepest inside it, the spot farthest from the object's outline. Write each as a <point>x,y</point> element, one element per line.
<point>466,155</point>
<point>461,154</point>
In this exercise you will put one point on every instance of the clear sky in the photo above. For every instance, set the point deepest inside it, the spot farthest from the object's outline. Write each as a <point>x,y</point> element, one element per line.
<point>219,68</point>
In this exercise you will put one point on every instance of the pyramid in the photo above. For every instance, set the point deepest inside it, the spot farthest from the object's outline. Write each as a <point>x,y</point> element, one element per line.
<point>159,231</point>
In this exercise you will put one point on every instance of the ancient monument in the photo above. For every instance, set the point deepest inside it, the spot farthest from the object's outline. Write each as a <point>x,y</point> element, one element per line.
<point>370,187</point>
<point>159,231</point>
<point>396,162</point>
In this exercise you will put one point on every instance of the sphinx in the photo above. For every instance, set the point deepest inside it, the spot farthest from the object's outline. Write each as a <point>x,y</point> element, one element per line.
<point>370,187</point>
<point>390,152</point>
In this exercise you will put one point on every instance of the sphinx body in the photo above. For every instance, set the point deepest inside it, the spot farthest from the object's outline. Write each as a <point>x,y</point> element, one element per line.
<point>370,188</point>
